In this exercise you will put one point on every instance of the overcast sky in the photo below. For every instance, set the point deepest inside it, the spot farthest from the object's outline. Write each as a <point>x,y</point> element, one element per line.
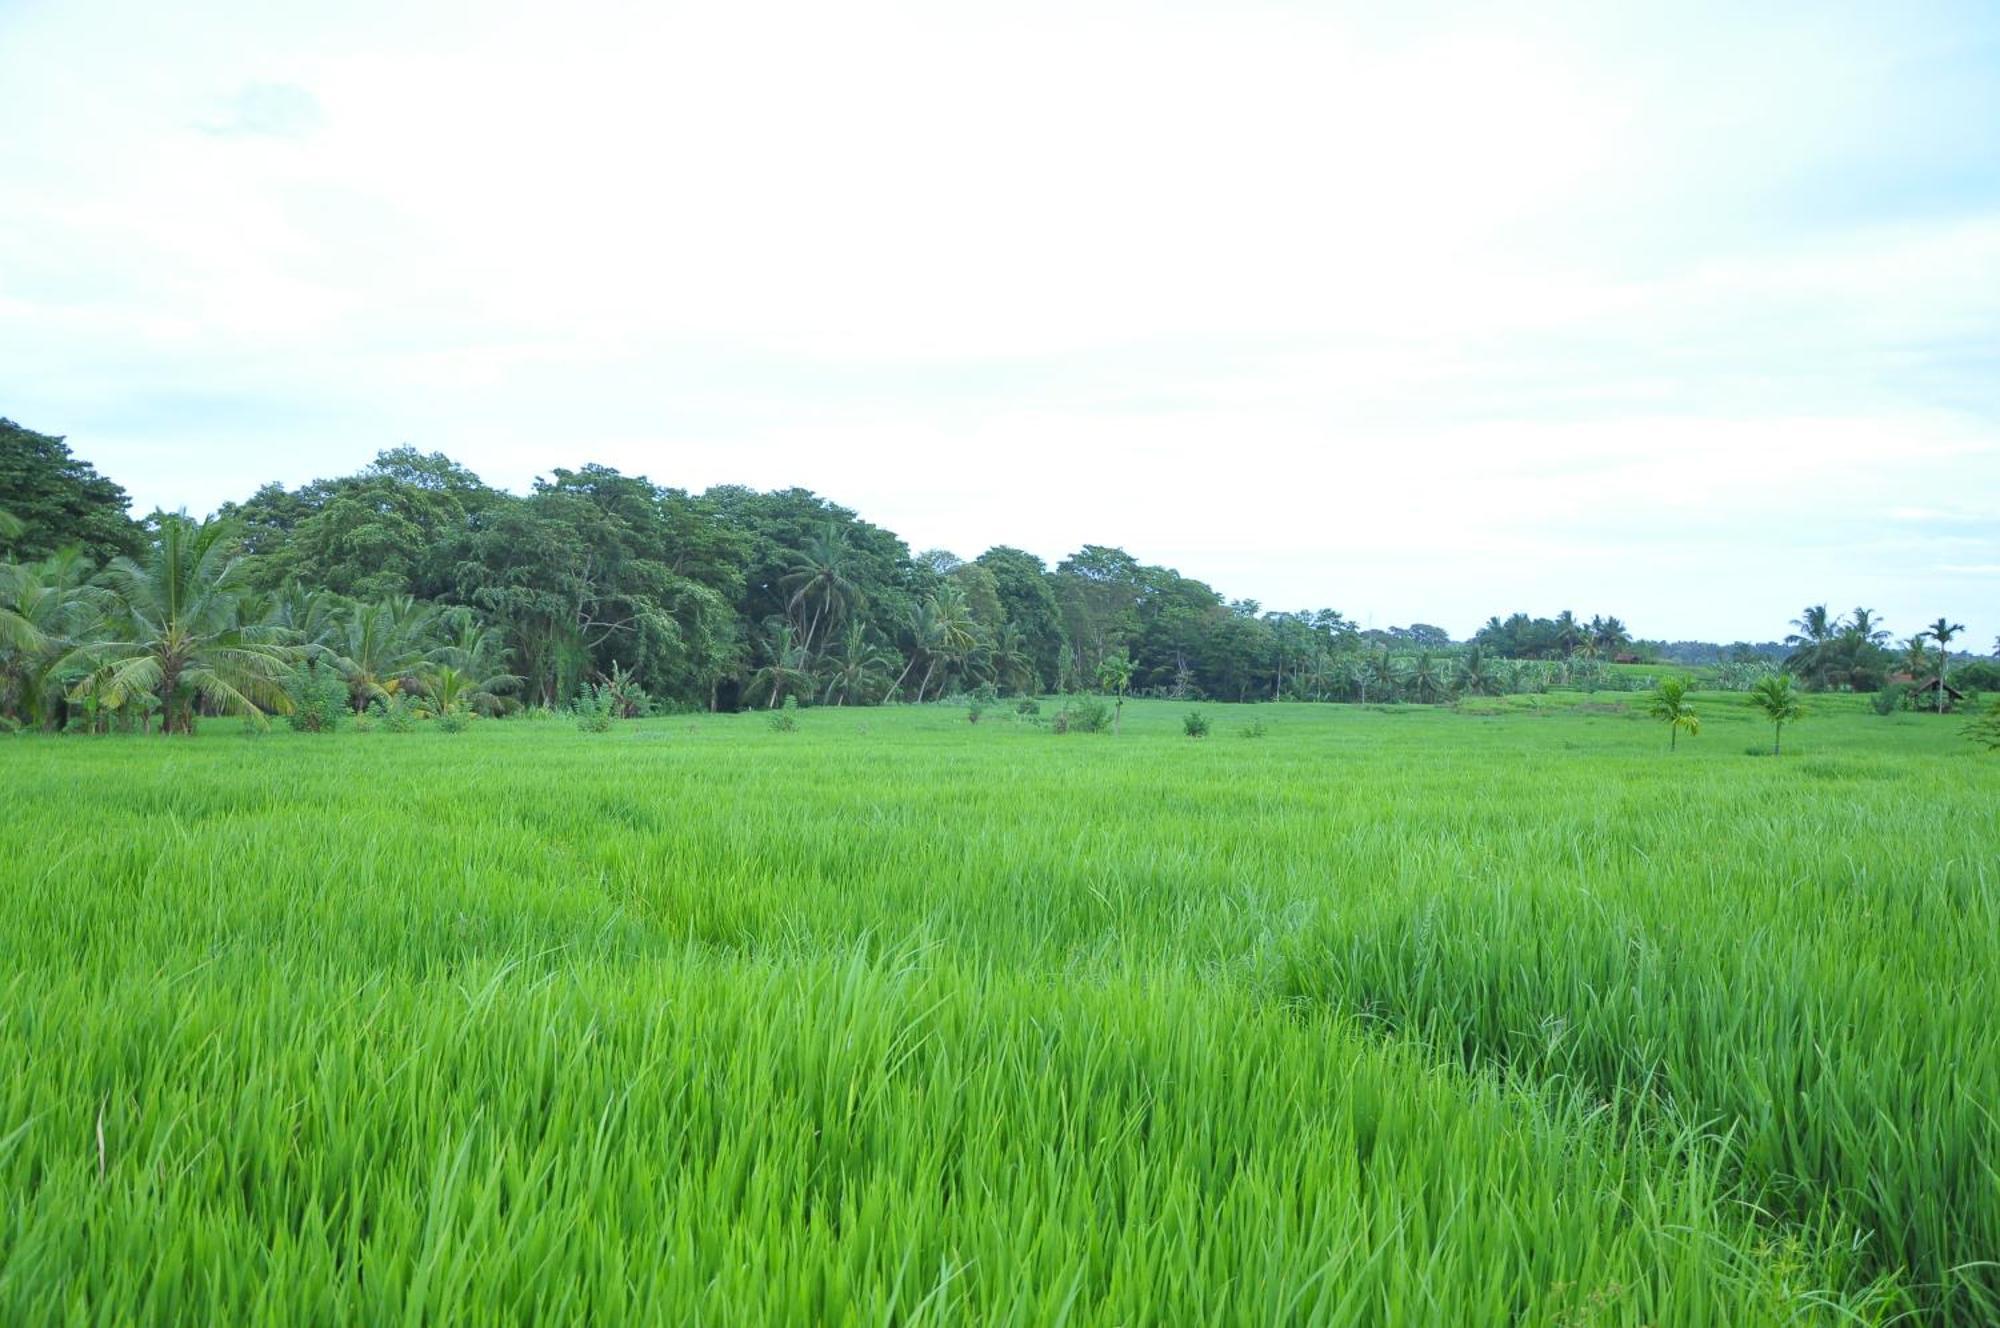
<point>1674,311</point>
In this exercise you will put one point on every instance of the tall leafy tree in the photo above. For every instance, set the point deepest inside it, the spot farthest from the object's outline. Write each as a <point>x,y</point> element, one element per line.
<point>54,500</point>
<point>820,588</point>
<point>1944,632</point>
<point>1027,596</point>
<point>1812,640</point>
<point>46,610</point>
<point>176,634</point>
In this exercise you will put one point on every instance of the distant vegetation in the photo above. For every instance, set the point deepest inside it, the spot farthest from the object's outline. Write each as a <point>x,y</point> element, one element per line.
<point>414,581</point>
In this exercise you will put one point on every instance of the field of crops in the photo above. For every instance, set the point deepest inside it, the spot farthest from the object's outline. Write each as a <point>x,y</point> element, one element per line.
<point>1400,1016</point>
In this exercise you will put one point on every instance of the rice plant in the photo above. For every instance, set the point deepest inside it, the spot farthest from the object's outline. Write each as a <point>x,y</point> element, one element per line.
<point>1395,1016</point>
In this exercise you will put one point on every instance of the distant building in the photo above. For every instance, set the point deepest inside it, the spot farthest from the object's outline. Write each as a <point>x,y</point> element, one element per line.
<point>1928,687</point>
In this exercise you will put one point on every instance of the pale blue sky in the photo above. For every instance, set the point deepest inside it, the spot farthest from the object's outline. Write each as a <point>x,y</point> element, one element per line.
<point>1658,310</point>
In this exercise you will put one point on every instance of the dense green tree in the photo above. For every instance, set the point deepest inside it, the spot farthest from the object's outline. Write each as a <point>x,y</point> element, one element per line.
<point>1026,590</point>
<point>176,636</point>
<point>47,609</point>
<point>1097,590</point>
<point>54,500</point>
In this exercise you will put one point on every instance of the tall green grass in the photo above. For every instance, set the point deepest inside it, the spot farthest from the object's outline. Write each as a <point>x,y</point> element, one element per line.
<point>1390,1016</point>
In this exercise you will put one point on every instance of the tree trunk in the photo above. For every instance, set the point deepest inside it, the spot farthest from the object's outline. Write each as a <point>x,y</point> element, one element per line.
<point>170,685</point>
<point>1777,739</point>
<point>925,684</point>
<point>1118,716</point>
<point>897,685</point>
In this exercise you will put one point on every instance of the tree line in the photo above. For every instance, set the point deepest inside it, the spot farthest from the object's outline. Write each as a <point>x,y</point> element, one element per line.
<point>414,579</point>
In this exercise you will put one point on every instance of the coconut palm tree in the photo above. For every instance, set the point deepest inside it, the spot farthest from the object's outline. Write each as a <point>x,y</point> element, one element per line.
<point>1609,635</point>
<point>862,664</point>
<point>818,578</point>
<point>1669,703</point>
<point>46,610</point>
<point>922,630</point>
<point>1475,675</point>
<point>1384,676</point>
<point>1007,655</point>
<point>1569,633</point>
<point>383,648</point>
<point>1426,680</point>
<point>1816,631</point>
<point>1865,625</point>
<point>1779,700</point>
<point>1943,631</point>
<point>788,674</point>
<point>449,689</point>
<point>950,634</point>
<point>176,633</point>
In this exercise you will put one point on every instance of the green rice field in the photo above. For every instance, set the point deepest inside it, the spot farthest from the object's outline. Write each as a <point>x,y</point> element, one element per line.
<point>1499,1015</point>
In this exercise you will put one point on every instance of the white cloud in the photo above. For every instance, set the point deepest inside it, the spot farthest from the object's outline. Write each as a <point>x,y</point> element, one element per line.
<point>1447,308</point>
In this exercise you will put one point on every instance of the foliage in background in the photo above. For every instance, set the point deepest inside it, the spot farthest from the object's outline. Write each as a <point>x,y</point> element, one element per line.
<point>734,598</point>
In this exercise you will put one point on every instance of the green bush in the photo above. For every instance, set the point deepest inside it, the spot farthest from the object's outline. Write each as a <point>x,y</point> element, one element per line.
<point>974,711</point>
<point>1195,724</point>
<point>455,720</point>
<point>1985,727</point>
<point>319,699</point>
<point>596,707</point>
<point>1890,699</point>
<point>396,715</point>
<point>1028,705</point>
<point>1084,714</point>
<point>1254,729</point>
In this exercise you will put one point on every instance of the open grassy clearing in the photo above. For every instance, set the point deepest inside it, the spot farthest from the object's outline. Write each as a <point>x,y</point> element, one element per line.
<point>1392,1014</point>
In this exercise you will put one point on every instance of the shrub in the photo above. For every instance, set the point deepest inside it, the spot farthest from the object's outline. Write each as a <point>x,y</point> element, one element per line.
<point>457,719</point>
<point>364,722</point>
<point>1195,724</point>
<point>787,719</point>
<point>628,698</point>
<point>1028,705</point>
<point>1084,714</point>
<point>974,711</point>
<point>1892,698</point>
<point>1254,729</point>
<point>318,697</point>
<point>595,709</point>
<point>1981,675</point>
<point>1985,728</point>
<point>396,715</point>
<point>985,694</point>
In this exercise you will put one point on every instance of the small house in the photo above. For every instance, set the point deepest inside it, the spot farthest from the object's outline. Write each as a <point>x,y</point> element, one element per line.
<point>1925,690</point>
